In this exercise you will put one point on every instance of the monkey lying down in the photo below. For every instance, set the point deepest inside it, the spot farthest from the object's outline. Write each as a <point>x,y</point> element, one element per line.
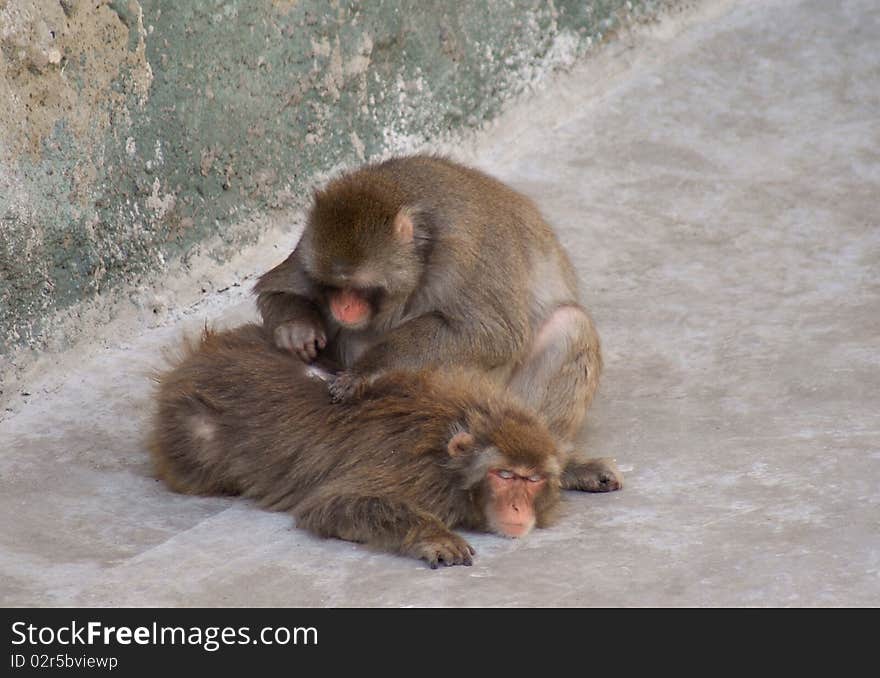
<point>418,453</point>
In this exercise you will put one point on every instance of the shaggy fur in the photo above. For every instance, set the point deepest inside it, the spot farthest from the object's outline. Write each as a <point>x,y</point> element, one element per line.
<point>238,416</point>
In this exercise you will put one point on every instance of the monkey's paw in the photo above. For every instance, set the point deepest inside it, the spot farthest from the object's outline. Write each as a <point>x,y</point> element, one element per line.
<point>592,475</point>
<point>302,338</point>
<point>346,386</point>
<point>443,549</point>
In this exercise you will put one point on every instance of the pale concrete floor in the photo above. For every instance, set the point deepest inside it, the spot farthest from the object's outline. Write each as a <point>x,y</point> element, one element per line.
<point>720,198</point>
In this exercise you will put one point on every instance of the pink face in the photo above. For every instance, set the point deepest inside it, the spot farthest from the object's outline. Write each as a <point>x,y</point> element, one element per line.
<point>511,508</point>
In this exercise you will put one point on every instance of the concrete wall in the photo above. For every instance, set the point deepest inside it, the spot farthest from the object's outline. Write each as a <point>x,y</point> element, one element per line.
<point>135,132</point>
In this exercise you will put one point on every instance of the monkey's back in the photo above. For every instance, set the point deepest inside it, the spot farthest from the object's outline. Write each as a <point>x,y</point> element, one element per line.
<point>237,416</point>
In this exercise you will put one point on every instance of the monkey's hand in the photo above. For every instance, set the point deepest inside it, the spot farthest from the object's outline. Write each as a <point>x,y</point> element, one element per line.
<point>592,475</point>
<point>302,337</point>
<point>441,548</point>
<point>347,386</point>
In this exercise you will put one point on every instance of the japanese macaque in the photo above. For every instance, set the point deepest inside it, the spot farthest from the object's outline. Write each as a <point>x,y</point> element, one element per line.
<point>415,455</point>
<point>422,262</point>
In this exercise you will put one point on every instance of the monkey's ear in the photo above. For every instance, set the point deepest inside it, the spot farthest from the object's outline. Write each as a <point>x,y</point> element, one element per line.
<point>460,443</point>
<point>404,229</point>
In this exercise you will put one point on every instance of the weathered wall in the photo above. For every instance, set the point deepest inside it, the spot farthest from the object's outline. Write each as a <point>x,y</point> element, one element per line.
<point>134,131</point>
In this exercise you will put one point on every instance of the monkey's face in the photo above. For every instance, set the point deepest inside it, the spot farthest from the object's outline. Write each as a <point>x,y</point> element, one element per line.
<point>362,258</point>
<point>515,467</point>
<point>511,499</point>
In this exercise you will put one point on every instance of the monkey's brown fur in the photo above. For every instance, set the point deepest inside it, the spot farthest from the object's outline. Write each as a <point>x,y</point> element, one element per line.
<point>238,416</point>
<point>483,283</point>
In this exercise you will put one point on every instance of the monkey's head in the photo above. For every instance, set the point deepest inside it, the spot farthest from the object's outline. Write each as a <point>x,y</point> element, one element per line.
<point>511,465</point>
<point>360,247</point>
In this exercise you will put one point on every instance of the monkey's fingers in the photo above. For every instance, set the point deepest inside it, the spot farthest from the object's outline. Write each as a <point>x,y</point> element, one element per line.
<point>286,343</point>
<point>345,387</point>
<point>304,340</point>
<point>445,558</point>
<point>311,349</point>
<point>447,551</point>
<point>315,344</point>
<point>282,341</point>
<point>459,554</point>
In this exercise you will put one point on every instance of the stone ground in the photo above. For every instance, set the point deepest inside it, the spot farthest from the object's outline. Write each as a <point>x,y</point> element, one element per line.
<point>717,182</point>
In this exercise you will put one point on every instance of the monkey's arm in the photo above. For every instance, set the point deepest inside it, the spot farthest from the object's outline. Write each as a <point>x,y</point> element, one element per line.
<point>382,522</point>
<point>289,314</point>
<point>294,322</point>
<point>434,340</point>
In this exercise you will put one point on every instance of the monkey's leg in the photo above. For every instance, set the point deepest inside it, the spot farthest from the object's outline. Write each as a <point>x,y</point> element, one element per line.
<point>558,379</point>
<point>385,523</point>
<point>561,373</point>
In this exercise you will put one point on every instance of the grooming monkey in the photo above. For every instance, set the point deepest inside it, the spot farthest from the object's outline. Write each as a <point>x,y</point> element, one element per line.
<point>419,261</point>
<point>417,454</point>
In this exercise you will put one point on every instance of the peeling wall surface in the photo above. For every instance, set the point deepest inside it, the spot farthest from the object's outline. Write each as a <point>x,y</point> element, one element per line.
<point>136,134</point>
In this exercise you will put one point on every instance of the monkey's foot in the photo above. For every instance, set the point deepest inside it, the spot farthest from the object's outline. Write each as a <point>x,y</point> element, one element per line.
<point>442,549</point>
<point>302,338</point>
<point>592,475</point>
<point>346,386</point>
